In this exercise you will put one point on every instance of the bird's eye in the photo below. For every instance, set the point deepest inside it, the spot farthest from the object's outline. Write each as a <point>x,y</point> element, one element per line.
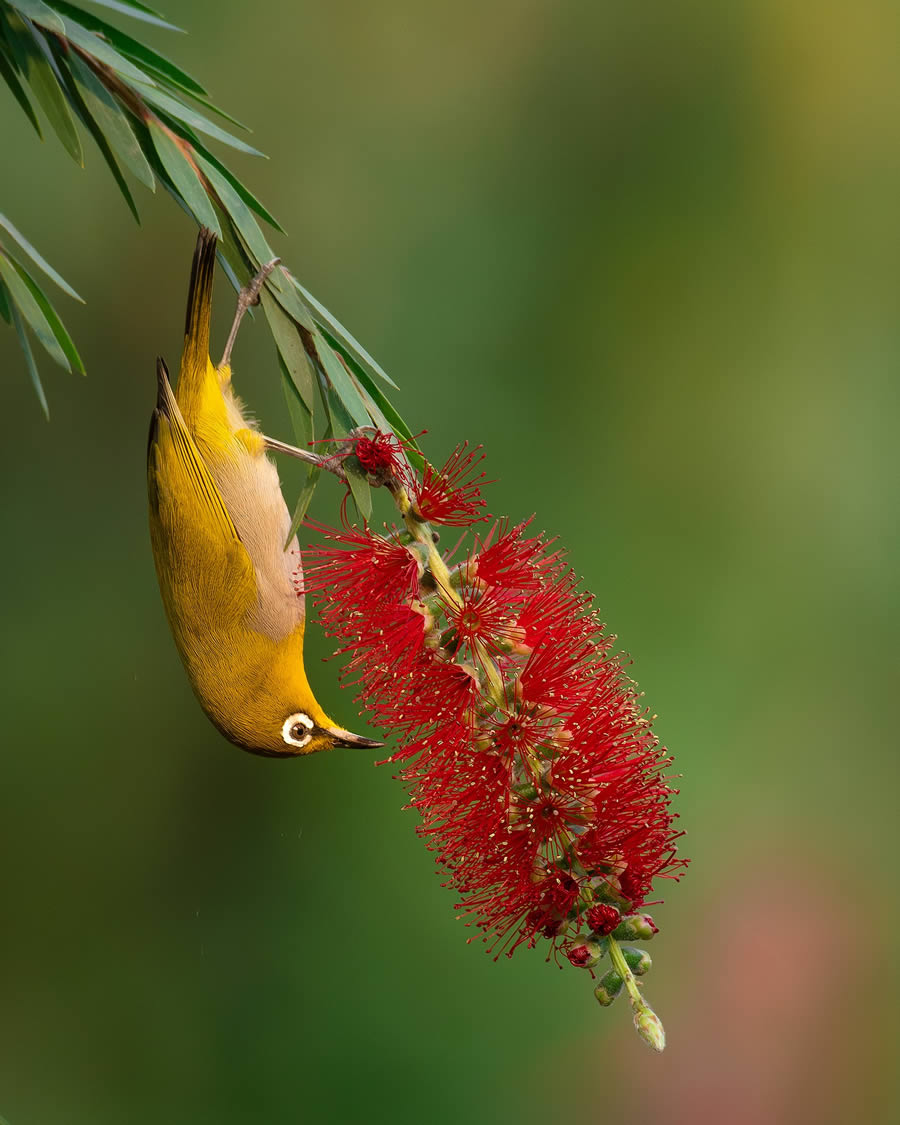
<point>297,729</point>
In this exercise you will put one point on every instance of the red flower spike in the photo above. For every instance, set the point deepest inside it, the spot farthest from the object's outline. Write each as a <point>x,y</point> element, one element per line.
<point>452,496</point>
<point>541,788</point>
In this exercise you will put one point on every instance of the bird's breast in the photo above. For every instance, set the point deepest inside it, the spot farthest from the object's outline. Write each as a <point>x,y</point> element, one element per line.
<point>249,485</point>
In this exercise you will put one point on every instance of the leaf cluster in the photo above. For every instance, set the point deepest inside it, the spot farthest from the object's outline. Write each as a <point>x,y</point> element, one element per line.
<point>153,121</point>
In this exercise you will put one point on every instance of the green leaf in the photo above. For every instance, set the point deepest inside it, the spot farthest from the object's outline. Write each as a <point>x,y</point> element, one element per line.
<point>138,12</point>
<point>24,299</point>
<point>103,52</point>
<point>340,333</point>
<point>29,360</point>
<point>375,398</point>
<point>38,259</point>
<point>132,48</point>
<point>304,429</point>
<point>342,383</point>
<point>238,211</point>
<point>51,316</point>
<point>230,252</point>
<point>184,178</point>
<point>300,412</point>
<point>32,56</point>
<point>75,92</point>
<point>156,97</point>
<point>11,79</point>
<point>111,120</point>
<point>167,82</point>
<point>255,244</point>
<point>341,424</point>
<point>248,197</point>
<point>224,114</point>
<point>40,13</point>
<point>292,354</point>
<point>5,311</point>
<point>307,491</point>
<point>361,493</point>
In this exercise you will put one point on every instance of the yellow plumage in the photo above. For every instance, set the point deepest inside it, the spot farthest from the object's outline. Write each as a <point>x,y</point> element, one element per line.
<point>218,524</point>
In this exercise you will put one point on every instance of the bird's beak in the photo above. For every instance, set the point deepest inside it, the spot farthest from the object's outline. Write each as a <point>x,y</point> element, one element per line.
<point>345,738</point>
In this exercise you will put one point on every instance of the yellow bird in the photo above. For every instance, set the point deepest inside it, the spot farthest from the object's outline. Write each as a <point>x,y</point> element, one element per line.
<point>218,525</point>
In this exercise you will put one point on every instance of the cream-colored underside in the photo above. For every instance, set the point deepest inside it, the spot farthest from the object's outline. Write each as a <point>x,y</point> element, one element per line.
<point>249,484</point>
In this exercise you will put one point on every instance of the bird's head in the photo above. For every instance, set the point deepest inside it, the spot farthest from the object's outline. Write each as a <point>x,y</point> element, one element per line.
<point>264,727</point>
<point>271,710</point>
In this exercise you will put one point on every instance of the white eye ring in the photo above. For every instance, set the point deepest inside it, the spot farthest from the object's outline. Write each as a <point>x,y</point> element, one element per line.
<point>301,719</point>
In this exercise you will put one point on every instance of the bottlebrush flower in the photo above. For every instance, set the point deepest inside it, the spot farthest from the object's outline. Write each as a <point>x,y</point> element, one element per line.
<point>541,787</point>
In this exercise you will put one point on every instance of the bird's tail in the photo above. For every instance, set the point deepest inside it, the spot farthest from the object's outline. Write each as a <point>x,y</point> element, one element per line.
<point>195,355</point>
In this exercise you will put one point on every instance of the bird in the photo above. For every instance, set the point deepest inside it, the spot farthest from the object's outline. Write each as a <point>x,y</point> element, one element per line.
<point>218,529</point>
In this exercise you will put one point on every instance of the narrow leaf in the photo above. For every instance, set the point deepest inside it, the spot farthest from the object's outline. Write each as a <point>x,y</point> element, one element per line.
<point>138,12</point>
<point>257,248</point>
<point>103,52</point>
<point>111,120</point>
<point>4,304</point>
<point>248,197</point>
<point>132,48</point>
<point>39,260</point>
<point>361,493</point>
<point>156,97</point>
<point>184,177</point>
<point>32,56</point>
<point>374,396</point>
<point>307,491</point>
<point>167,82</point>
<point>84,115</point>
<point>51,316</point>
<point>304,429</point>
<point>228,251</point>
<point>11,79</point>
<point>341,334</point>
<point>292,354</point>
<point>29,360</point>
<point>341,382</point>
<point>31,310</point>
<point>238,211</point>
<point>341,424</point>
<point>42,14</point>
<point>300,413</point>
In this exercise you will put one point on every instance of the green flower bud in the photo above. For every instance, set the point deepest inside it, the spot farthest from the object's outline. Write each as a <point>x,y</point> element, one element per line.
<point>649,1026</point>
<point>608,989</point>
<point>636,927</point>
<point>638,960</point>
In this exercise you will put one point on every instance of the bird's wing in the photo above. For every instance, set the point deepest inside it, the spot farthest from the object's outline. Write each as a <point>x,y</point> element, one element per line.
<point>204,567</point>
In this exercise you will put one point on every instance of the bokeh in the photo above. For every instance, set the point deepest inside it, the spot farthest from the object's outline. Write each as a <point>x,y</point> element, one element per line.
<point>649,255</point>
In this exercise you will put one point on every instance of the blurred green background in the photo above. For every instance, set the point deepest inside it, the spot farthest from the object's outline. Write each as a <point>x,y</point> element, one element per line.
<point>649,256</point>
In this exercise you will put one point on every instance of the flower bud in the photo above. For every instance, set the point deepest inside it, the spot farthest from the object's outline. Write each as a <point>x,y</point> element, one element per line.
<point>636,927</point>
<point>638,960</point>
<point>585,954</point>
<point>609,988</point>
<point>603,919</point>
<point>649,1026</point>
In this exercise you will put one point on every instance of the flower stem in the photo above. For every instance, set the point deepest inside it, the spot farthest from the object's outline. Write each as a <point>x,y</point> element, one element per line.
<point>646,1021</point>
<point>621,967</point>
<point>421,532</point>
